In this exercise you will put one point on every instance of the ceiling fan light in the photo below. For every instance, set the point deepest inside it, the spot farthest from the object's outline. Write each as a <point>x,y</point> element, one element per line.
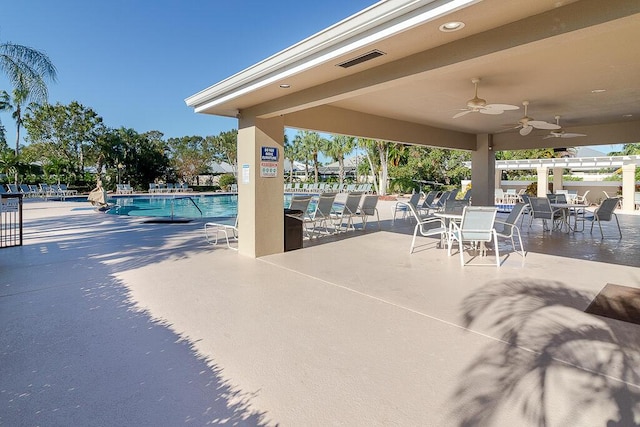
<point>452,26</point>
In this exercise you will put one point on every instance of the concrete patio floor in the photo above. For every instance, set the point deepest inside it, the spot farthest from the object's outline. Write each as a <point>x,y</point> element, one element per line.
<point>109,321</point>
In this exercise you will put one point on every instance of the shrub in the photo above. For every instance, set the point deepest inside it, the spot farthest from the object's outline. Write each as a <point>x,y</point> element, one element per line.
<point>226,180</point>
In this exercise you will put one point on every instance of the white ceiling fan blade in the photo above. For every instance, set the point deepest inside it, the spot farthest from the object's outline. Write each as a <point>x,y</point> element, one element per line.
<point>526,130</point>
<point>491,111</point>
<point>539,124</point>
<point>461,113</point>
<point>502,107</point>
<point>571,135</point>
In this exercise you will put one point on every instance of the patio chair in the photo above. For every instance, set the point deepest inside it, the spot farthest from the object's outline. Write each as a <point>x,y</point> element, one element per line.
<point>13,189</point>
<point>428,204</point>
<point>475,228</point>
<point>321,215</point>
<point>427,227</point>
<point>348,211</point>
<point>508,227</point>
<point>368,208</point>
<point>605,212</point>
<point>443,198</point>
<point>300,203</point>
<point>582,199</point>
<point>212,231</point>
<point>403,206</point>
<point>541,209</point>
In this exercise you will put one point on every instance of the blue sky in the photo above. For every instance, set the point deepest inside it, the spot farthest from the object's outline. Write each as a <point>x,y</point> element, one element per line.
<point>134,62</point>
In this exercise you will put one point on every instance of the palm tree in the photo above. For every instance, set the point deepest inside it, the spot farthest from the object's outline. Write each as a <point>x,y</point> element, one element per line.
<point>313,142</point>
<point>26,69</point>
<point>336,148</point>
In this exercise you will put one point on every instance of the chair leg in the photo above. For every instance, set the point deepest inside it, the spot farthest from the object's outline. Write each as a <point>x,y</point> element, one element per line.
<point>413,241</point>
<point>495,244</point>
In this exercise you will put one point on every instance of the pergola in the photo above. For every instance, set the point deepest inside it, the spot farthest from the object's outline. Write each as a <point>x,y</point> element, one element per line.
<point>401,69</point>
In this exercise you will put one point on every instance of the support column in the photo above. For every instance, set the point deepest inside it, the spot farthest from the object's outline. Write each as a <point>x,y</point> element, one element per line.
<point>557,179</point>
<point>498,179</point>
<point>260,199</point>
<point>628,187</point>
<point>543,181</point>
<point>483,165</point>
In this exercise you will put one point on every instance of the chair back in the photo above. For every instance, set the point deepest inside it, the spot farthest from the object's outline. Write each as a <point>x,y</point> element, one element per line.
<point>353,202</point>
<point>369,204</point>
<point>300,203</point>
<point>467,195</point>
<point>604,212</point>
<point>453,194</point>
<point>325,204</point>
<point>513,217</point>
<point>541,207</point>
<point>429,198</point>
<point>453,206</point>
<point>443,197</point>
<point>553,198</point>
<point>477,223</point>
<point>413,201</point>
<point>525,198</point>
<point>561,198</point>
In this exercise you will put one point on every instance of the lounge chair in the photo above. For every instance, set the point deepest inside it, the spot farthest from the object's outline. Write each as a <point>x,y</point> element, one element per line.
<point>212,232</point>
<point>476,227</point>
<point>508,228</point>
<point>300,203</point>
<point>13,189</point>
<point>582,199</point>
<point>322,214</point>
<point>403,206</point>
<point>605,212</point>
<point>347,212</point>
<point>428,203</point>
<point>368,208</point>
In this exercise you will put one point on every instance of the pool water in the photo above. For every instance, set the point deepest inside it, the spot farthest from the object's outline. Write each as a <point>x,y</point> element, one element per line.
<point>197,206</point>
<point>211,206</point>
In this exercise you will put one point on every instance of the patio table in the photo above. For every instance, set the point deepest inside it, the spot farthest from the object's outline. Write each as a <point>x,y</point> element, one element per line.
<point>578,215</point>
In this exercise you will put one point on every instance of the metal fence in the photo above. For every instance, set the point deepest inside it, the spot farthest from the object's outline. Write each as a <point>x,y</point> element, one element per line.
<point>10,220</point>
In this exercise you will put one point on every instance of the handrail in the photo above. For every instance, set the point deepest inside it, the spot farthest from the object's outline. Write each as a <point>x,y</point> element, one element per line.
<point>185,197</point>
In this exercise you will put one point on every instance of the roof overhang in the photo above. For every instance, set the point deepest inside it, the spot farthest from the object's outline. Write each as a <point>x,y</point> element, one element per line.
<point>552,53</point>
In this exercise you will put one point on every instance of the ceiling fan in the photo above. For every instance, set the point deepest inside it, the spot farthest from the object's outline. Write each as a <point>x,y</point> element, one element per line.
<point>479,105</point>
<point>527,124</point>
<point>560,133</point>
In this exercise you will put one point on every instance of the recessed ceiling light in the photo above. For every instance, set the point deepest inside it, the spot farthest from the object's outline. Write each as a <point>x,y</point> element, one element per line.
<point>285,86</point>
<point>451,26</point>
<point>626,116</point>
<point>598,90</point>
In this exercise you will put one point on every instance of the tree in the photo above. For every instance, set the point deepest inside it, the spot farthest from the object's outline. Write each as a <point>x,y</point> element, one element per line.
<point>313,143</point>
<point>336,148</point>
<point>190,156</point>
<point>302,152</point>
<point>69,129</point>
<point>225,148</point>
<point>377,153</point>
<point>26,68</point>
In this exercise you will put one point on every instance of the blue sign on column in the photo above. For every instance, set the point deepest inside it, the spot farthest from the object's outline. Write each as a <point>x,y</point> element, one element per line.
<point>269,154</point>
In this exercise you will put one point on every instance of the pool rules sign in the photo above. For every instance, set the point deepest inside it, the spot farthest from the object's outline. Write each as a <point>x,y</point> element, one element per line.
<point>269,162</point>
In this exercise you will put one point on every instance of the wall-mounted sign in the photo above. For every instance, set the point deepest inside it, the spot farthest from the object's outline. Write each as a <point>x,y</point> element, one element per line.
<point>269,154</point>
<point>246,173</point>
<point>268,169</point>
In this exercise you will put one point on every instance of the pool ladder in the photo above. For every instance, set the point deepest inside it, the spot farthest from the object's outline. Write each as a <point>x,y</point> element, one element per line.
<point>185,197</point>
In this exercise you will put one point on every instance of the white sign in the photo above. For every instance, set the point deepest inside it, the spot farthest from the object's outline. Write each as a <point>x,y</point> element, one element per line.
<point>268,169</point>
<point>245,173</point>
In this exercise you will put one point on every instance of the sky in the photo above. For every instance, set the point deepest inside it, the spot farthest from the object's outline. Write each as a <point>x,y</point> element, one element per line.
<point>134,62</point>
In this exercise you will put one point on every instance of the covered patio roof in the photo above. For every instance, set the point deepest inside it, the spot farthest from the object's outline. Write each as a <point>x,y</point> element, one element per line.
<point>568,58</point>
<point>570,162</point>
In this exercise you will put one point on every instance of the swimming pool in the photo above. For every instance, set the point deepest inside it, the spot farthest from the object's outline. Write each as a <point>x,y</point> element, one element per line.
<point>194,207</point>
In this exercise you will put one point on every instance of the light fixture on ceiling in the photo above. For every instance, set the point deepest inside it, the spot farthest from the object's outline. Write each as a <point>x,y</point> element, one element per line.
<point>598,90</point>
<point>285,86</point>
<point>452,26</point>
<point>627,116</point>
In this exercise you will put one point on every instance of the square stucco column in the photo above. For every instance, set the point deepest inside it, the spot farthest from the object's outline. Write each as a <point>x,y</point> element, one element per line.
<point>628,187</point>
<point>483,177</point>
<point>543,181</point>
<point>260,199</point>
<point>557,179</point>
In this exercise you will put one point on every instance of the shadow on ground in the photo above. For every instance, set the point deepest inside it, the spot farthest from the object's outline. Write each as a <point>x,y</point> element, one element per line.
<point>551,349</point>
<point>74,350</point>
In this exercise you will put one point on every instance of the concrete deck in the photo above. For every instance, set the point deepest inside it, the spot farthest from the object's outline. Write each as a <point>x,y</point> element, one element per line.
<point>109,321</point>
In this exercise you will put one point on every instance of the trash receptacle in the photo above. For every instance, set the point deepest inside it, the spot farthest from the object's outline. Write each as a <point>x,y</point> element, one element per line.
<point>292,229</point>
